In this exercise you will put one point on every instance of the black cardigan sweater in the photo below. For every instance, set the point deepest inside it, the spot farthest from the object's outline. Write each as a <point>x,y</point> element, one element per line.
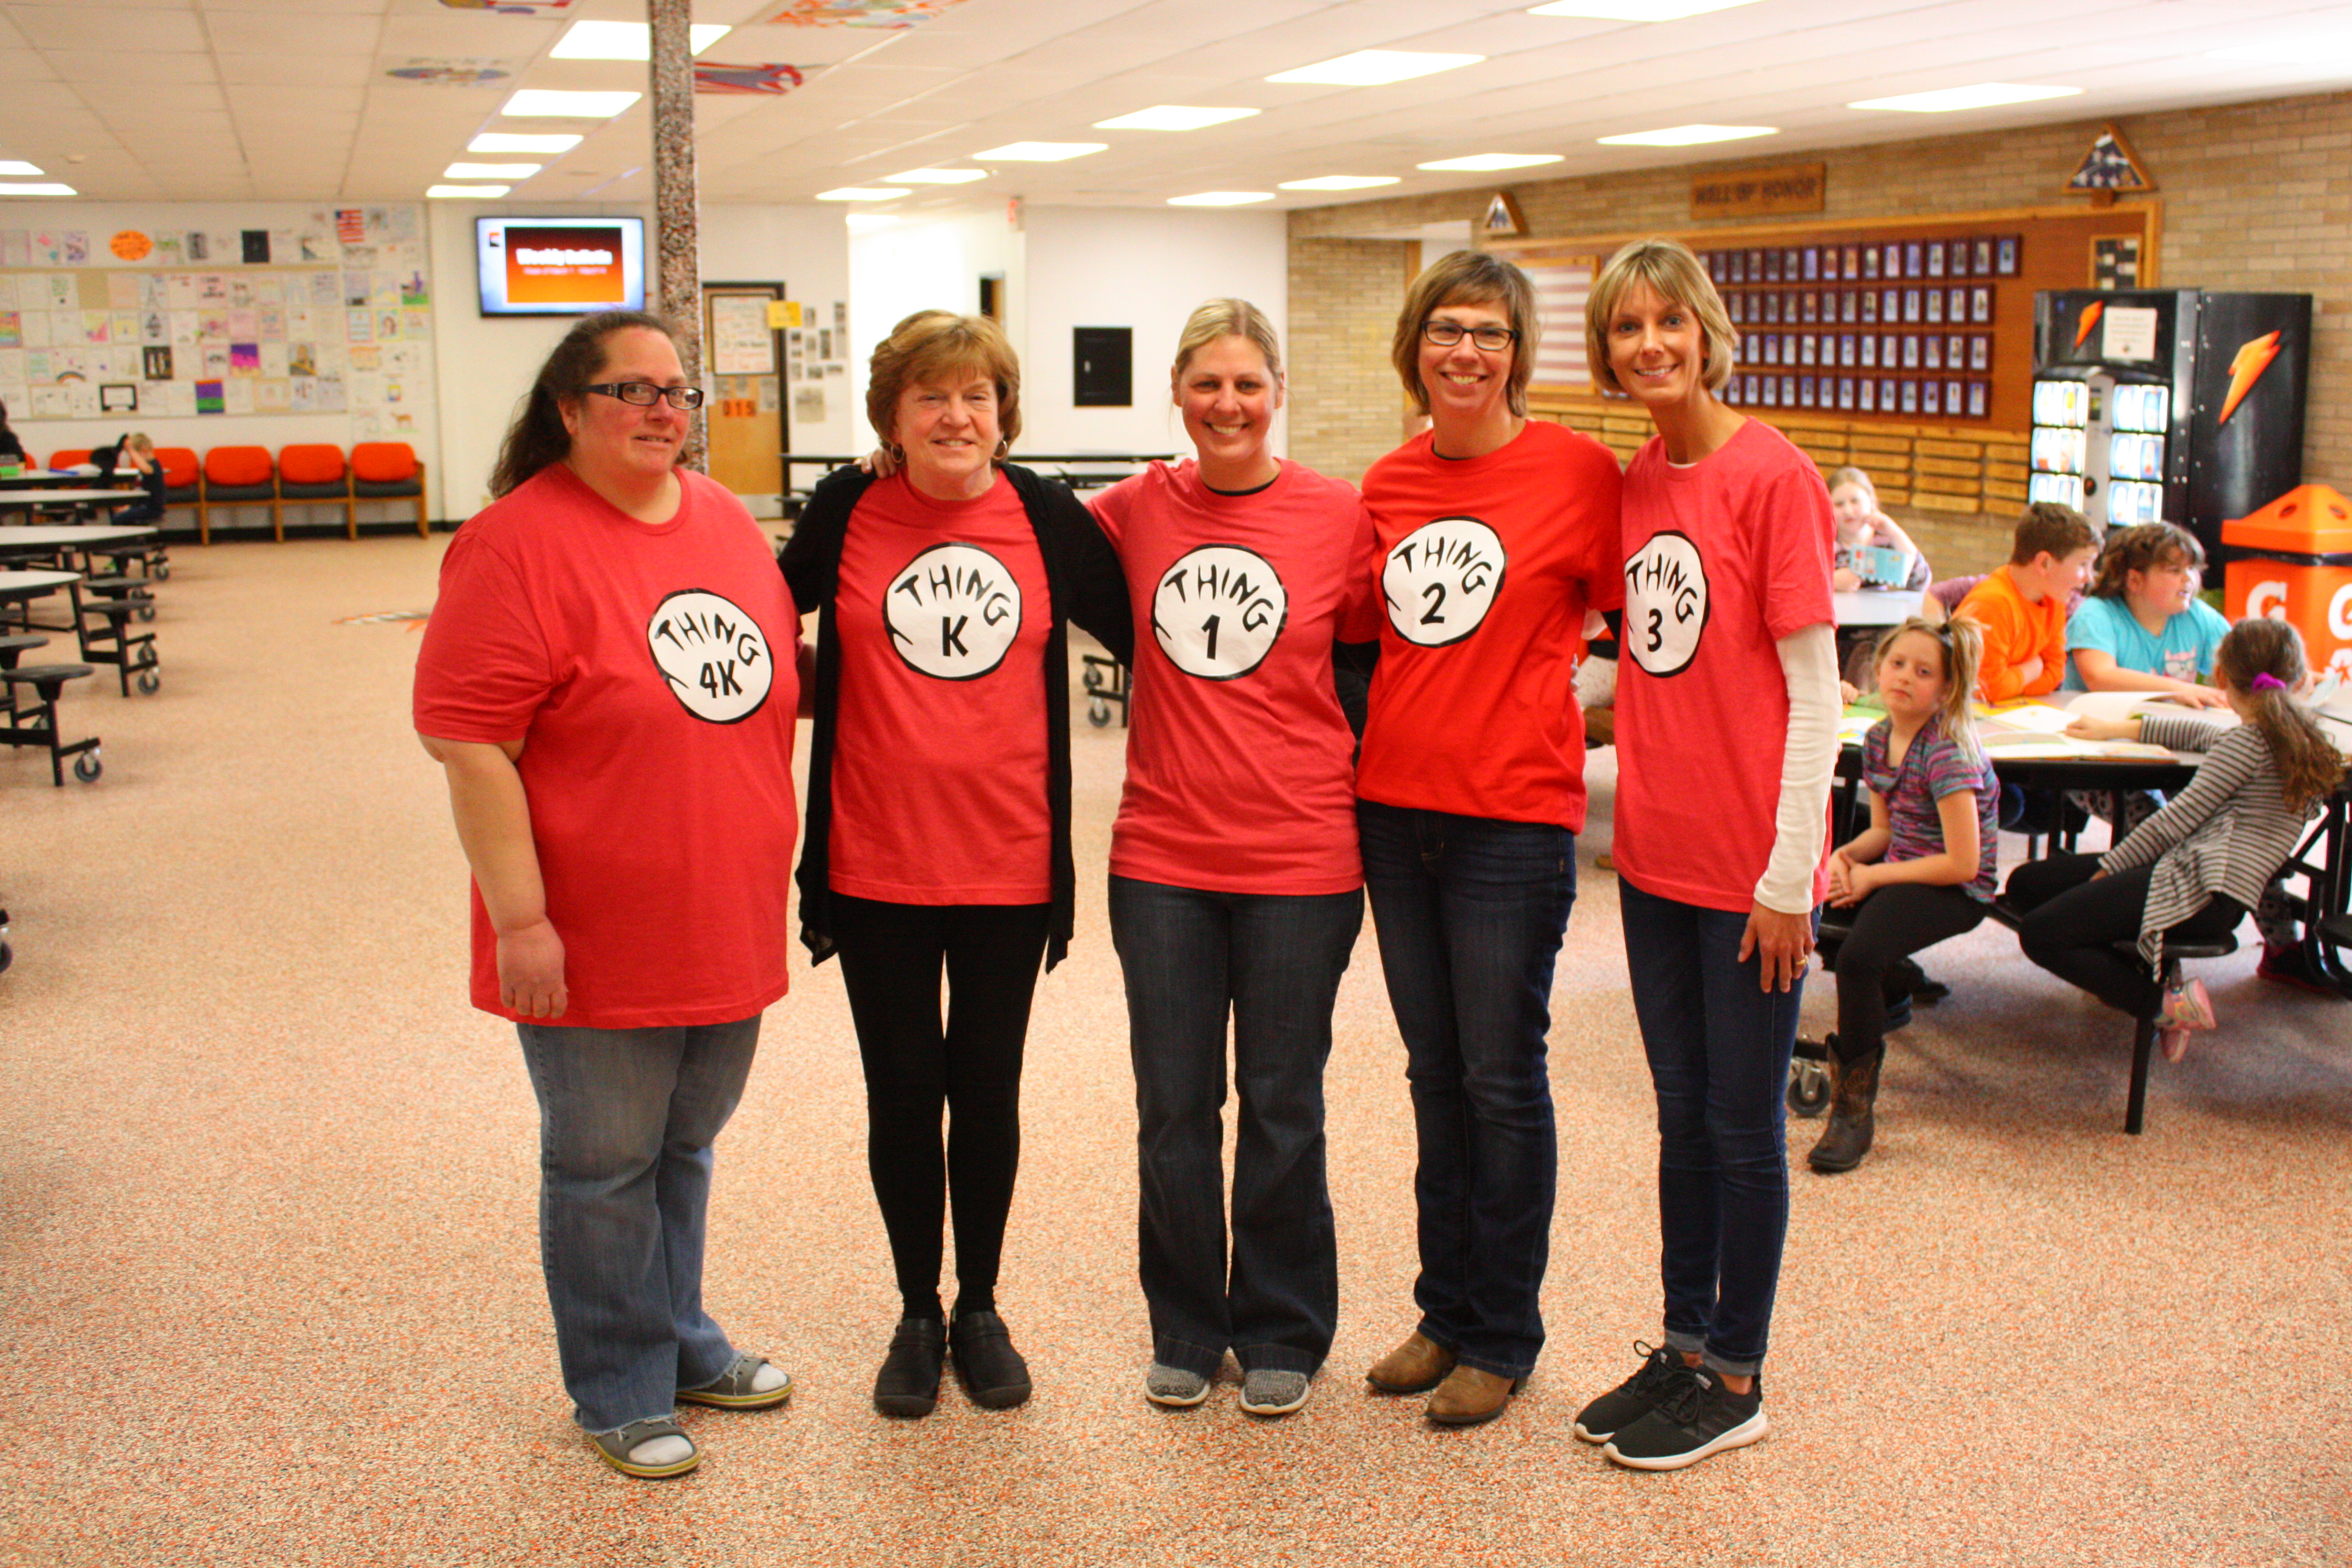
<point>1083,581</point>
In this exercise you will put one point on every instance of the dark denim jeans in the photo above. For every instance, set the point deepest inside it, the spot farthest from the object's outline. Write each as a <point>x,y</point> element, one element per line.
<point>627,1120</point>
<point>1274,962</point>
<point>1470,913</point>
<point>1718,1046</point>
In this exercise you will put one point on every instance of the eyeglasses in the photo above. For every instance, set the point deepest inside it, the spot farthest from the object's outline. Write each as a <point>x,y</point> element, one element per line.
<point>645,393</point>
<point>1445,334</point>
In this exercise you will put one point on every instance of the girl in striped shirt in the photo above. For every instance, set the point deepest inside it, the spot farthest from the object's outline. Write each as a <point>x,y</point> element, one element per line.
<point>2194,868</point>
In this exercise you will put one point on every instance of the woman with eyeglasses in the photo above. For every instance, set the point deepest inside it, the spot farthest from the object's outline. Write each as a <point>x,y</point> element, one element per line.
<point>609,683</point>
<point>1495,533</point>
<point>938,811</point>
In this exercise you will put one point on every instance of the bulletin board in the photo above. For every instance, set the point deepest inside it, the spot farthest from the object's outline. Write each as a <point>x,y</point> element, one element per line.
<point>1931,318</point>
<point>332,317</point>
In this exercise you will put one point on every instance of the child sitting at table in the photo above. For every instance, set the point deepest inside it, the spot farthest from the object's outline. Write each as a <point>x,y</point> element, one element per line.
<point>2022,607</point>
<point>2143,628</point>
<point>2194,868</point>
<point>1871,552</point>
<point>137,454</point>
<point>1922,871</point>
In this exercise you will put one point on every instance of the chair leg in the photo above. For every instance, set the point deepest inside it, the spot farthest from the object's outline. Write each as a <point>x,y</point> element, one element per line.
<point>204,521</point>
<point>350,503</point>
<point>2143,1048</point>
<point>276,520</point>
<point>424,527</point>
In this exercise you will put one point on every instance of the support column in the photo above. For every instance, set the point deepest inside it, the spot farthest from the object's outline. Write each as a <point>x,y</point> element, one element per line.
<point>676,208</point>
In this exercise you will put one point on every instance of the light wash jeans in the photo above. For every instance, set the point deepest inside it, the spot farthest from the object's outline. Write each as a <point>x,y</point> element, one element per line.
<point>627,1120</point>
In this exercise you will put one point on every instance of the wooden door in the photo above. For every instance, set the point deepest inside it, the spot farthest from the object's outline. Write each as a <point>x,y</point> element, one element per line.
<point>744,417</point>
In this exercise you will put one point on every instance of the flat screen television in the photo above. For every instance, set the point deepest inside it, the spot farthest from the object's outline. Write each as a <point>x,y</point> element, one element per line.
<point>559,266</point>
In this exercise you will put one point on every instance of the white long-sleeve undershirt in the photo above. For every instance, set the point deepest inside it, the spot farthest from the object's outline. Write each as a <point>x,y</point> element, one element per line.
<point>1809,664</point>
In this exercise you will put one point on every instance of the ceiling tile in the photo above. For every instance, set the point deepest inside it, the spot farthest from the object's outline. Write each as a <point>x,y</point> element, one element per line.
<point>132,72</point>
<point>342,71</point>
<point>87,26</point>
<point>257,32</point>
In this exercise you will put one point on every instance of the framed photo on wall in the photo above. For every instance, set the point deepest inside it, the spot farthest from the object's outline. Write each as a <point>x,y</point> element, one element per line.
<point>2005,250</point>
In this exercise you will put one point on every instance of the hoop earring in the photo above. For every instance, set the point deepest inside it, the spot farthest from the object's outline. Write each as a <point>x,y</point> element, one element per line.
<point>1003,446</point>
<point>898,453</point>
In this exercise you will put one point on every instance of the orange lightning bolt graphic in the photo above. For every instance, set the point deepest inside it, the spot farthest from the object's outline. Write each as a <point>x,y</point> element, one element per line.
<point>2091,314</point>
<point>2253,358</point>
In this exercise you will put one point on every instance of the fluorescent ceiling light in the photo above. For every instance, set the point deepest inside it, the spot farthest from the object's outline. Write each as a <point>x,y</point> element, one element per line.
<point>1983,95</point>
<point>1172,117</point>
<point>10,188</point>
<point>491,171</point>
<point>1037,152</point>
<point>625,40</point>
<point>1220,199</point>
<point>511,141</point>
<point>1339,182</point>
<point>1688,135</point>
<point>459,193</point>
<point>863,194</point>
<point>870,220</point>
<point>16,166</point>
<point>1635,10</point>
<point>939,177</point>
<point>541,100</point>
<point>2320,52</point>
<point>1376,67</point>
<point>1489,161</point>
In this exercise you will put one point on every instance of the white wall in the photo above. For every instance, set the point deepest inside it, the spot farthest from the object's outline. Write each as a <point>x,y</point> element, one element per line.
<point>1140,267</point>
<point>1075,266</point>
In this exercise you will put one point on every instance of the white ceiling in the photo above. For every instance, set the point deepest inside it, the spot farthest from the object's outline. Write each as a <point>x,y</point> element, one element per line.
<point>290,100</point>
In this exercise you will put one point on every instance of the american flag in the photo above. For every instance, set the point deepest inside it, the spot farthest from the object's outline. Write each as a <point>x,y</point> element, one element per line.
<point>350,225</point>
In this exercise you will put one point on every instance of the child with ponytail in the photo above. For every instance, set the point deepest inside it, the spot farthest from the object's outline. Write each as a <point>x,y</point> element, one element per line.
<point>2194,868</point>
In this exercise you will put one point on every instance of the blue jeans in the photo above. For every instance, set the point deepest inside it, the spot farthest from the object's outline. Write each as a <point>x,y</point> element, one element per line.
<point>627,1120</point>
<point>1718,1046</point>
<point>1273,962</point>
<point>1470,913</point>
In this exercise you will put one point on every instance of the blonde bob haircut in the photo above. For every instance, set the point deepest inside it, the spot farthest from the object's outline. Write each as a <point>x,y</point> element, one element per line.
<point>941,347</point>
<point>1671,272</point>
<point>1468,278</point>
<point>1227,319</point>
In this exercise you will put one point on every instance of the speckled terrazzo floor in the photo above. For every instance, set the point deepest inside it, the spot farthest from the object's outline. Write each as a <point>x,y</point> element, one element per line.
<point>269,1291</point>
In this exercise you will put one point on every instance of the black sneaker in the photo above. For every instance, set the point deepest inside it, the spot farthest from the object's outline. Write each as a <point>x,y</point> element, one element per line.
<point>1699,1417</point>
<point>1661,1371</point>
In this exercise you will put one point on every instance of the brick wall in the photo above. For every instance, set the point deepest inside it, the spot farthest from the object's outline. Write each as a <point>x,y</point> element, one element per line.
<point>2255,196</point>
<point>1345,407</point>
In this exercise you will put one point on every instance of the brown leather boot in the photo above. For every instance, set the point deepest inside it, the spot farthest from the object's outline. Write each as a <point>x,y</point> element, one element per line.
<point>1846,1139</point>
<point>1414,1366</point>
<point>1468,1396</point>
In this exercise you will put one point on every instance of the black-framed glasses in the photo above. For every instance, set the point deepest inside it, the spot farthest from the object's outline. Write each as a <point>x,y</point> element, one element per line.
<point>645,393</point>
<point>1445,334</point>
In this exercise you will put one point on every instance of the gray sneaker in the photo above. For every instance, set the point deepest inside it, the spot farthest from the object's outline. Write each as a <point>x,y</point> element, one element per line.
<point>1175,1387</point>
<point>1268,1392</point>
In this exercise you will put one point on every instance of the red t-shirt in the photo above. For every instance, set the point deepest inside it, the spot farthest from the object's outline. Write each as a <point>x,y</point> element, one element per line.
<point>939,761</point>
<point>1487,566</point>
<point>1240,766</point>
<point>648,669</point>
<point>1723,559</point>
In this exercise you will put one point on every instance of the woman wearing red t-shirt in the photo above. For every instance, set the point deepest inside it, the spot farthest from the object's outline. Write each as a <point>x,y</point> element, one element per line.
<point>1235,889</point>
<point>1495,534</point>
<point>608,681</point>
<point>938,809</point>
<point>1727,732</point>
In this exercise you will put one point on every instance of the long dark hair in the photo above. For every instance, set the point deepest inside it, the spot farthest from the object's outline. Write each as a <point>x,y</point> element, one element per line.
<point>536,438</point>
<point>2308,765</point>
<point>2143,547</point>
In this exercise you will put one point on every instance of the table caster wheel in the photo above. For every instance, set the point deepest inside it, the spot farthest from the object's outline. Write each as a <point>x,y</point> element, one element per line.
<point>1809,1089</point>
<point>149,681</point>
<point>87,767</point>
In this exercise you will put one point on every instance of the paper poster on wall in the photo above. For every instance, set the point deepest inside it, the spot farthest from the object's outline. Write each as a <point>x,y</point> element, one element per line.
<point>11,335</point>
<point>76,247</point>
<point>118,397</point>
<point>155,364</point>
<point>272,396</point>
<point>16,247</point>
<point>808,404</point>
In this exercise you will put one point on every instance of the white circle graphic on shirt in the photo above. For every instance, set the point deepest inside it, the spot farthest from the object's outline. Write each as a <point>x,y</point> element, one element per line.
<point>1218,610</point>
<point>1440,579</point>
<point>1665,604</point>
<point>952,612</point>
<point>714,657</point>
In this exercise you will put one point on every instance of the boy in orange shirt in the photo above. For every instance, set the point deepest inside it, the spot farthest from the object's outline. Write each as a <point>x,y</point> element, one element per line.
<point>2022,607</point>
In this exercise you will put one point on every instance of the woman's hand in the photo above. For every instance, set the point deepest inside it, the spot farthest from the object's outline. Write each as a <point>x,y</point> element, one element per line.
<point>531,971</point>
<point>1845,580</point>
<point>1841,876</point>
<point>1783,942</point>
<point>879,463</point>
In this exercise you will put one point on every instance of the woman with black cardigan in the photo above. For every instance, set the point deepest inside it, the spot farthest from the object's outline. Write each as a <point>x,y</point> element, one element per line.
<point>938,806</point>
